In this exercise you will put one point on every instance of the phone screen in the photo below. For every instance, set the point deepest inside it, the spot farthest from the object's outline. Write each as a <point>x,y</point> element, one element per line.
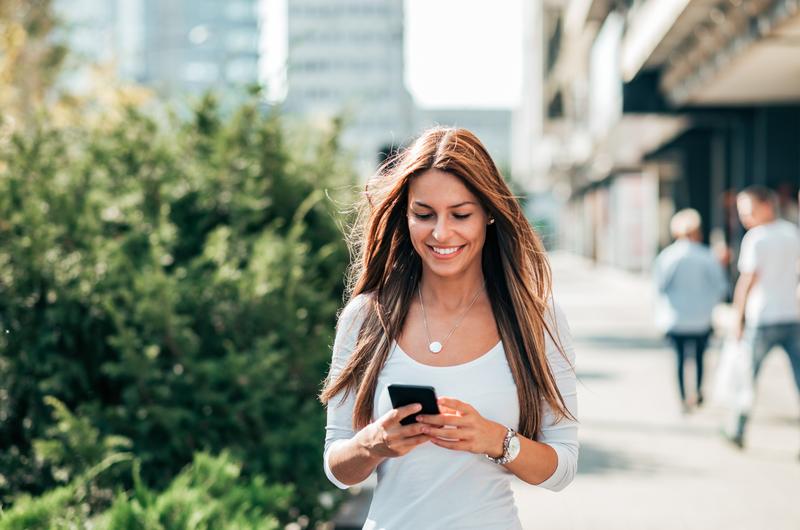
<point>402,395</point>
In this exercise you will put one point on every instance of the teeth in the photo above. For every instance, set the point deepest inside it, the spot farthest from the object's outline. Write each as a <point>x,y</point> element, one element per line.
<point>445,251</point>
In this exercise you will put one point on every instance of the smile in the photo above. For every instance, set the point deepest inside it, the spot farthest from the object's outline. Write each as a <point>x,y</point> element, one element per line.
<point>446,252</point>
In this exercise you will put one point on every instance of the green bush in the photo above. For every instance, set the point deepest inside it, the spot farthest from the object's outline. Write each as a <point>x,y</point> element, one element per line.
<point>208,494</point>
<point>174,282</point>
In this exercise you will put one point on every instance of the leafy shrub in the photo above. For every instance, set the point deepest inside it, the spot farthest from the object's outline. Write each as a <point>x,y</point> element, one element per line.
<point>208,494</point>
<point>175,283</point>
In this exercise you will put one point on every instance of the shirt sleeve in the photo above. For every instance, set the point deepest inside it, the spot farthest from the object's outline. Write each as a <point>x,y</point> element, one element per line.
<point>339,426</point>
<point>664,269</point>
<point>748,253</point>
<point>562,436</point>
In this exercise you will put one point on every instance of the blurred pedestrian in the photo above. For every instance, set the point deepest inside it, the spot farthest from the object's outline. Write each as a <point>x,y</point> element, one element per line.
<point>452,290</point>
<point>690,282</point>
<point>767,313</point>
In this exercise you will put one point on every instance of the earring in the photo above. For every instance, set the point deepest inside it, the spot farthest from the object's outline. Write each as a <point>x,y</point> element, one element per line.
<point>491,221</point>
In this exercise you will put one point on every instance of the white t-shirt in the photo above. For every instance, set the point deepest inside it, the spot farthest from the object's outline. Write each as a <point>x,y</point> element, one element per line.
<point>435,488</point>
<point>772,251</point>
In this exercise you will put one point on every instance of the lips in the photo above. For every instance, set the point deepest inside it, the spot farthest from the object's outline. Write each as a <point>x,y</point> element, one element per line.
<point>445,252</point>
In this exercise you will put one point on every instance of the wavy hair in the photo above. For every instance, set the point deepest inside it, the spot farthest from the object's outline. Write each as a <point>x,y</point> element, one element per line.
<point>386,267</point>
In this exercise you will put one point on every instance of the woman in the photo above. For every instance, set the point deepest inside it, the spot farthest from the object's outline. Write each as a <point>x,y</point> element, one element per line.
<point>451,289</point>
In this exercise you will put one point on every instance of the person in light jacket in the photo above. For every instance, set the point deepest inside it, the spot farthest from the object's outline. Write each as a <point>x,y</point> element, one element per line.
<point>690,282</point>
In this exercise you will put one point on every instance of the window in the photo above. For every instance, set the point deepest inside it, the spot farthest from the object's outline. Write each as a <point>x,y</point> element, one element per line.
<point>240,10</point>
<point>242,71</point>
<point>200,72</point>
<point>242,41</point>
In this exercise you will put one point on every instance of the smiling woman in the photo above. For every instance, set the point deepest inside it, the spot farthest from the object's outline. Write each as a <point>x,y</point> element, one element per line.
<point>451,290</point>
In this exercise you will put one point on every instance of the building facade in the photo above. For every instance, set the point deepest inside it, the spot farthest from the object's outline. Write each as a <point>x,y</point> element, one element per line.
<point>673,104</point>
<point>176,47</point>
<point>346,59</point>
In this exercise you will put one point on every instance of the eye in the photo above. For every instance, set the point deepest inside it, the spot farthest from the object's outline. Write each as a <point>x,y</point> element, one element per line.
<point>461,215</point>
<point>422,215</point>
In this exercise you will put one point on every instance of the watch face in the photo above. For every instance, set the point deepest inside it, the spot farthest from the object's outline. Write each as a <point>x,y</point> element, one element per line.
<point>513,447</point>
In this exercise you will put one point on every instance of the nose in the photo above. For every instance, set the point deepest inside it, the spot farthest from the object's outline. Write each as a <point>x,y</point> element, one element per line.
<point>441,231</point>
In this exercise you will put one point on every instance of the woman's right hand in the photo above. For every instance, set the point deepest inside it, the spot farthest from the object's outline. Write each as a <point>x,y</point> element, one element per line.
<point>387,438</point>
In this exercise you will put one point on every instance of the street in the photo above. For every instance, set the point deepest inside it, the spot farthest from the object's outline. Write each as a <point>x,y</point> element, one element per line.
<point>643,464</point>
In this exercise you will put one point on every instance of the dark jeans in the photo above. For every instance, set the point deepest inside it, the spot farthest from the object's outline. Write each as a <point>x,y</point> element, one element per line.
<point>761,339</point>
<point>698,343</point>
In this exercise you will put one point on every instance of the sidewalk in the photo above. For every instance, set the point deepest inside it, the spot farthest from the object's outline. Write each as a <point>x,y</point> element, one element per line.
<point>643,464</point>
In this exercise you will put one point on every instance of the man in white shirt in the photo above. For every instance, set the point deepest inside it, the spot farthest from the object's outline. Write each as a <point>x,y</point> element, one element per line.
<point>764,298</point>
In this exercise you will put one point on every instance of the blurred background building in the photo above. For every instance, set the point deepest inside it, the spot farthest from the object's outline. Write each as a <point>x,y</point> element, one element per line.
<point>634,109</point>
<point>175,47</point>
<point>346,58</point>
<point>319,60</point>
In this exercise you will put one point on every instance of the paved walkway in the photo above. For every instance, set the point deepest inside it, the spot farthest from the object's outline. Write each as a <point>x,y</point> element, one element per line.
<point>643,464</point>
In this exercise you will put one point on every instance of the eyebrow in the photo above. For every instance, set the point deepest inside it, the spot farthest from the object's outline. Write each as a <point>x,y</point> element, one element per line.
<point>418,203</point>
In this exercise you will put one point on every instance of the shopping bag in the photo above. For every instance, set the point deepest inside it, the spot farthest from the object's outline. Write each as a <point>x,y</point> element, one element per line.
<point>733,380</point>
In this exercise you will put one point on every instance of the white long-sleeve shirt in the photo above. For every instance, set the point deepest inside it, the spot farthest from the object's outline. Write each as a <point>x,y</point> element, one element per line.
<point>435,488</point>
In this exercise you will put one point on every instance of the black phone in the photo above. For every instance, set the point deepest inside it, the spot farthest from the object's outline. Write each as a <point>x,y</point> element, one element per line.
<point>402,395</point>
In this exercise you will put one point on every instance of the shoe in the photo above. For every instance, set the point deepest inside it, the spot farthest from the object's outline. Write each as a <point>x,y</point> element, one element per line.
<point>699,401</point>
<point>736,440</point>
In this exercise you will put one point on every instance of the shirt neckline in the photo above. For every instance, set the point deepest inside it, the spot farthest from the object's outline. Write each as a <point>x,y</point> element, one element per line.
<point>476,360</point>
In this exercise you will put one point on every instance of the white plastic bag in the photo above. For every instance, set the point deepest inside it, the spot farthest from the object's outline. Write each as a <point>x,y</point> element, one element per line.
<point>733,381</point>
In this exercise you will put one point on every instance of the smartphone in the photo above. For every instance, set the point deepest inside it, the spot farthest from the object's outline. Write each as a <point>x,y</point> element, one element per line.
<point>402,395</point>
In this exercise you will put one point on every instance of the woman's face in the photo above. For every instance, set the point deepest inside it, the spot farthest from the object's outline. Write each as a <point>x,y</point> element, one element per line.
<point>446,222</point>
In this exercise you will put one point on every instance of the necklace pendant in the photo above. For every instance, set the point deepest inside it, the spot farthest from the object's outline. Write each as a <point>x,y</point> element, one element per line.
<point>435,346</point>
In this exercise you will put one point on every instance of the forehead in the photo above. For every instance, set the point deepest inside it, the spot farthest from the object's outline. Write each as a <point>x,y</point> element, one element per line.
<point>435,186</point>
<point>744,202</point>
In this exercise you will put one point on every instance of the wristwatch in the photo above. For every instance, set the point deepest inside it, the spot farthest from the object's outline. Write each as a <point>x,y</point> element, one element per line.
<point>510,448</point>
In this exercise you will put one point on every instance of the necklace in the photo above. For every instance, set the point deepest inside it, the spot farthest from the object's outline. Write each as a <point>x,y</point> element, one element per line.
<point>435,346</point>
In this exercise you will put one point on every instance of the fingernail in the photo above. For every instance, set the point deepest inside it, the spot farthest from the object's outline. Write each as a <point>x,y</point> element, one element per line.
<point>419,418</point>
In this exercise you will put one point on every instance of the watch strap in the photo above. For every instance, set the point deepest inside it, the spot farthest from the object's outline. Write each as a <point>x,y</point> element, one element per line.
<point>505,458</point>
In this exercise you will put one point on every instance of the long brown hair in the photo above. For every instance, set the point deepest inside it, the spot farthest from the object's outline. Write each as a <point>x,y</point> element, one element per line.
<point>387,268</point>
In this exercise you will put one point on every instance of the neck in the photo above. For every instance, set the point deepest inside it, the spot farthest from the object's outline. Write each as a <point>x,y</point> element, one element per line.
<point>764,221</point>
<point>451,293</point>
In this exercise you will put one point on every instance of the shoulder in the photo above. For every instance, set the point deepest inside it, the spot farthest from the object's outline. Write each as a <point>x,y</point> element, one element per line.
<point>706,253</point>
<point>351,318</point>
<point>669,250</point>
<point>750,240</point>
<point>789,229</point>
<point>352,315</point>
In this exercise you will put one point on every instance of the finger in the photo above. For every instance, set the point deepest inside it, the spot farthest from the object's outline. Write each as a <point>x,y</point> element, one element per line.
<point>395,415</point>
<point>448,410</point>
<point>455,404</point>
<point>409,431</point>
<point>410,443</point>
<point>455,446</point>
<point>449,434</point>
<point>442,419</point>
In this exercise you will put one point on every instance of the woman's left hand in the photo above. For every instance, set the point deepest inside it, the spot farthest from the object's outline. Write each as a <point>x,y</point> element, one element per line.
<point>460,427</point>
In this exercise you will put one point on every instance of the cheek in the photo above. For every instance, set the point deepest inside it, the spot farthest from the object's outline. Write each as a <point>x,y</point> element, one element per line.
<point>417,231</point>
<point>477,233</point>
